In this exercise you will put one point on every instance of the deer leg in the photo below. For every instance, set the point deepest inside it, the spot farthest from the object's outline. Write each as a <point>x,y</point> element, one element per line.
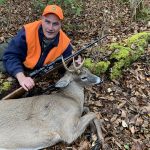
<point>80,127</point>
<point>86,110</point>
<point>95,125</point>
<point>92,126</point>
<point>99,131</point>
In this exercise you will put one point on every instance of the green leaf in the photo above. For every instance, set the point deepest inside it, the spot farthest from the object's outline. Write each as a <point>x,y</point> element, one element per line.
<point>2,2</point>
<point>126,146</point>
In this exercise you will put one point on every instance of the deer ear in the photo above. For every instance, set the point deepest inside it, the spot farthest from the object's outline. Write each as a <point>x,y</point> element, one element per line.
<point>63,82</point>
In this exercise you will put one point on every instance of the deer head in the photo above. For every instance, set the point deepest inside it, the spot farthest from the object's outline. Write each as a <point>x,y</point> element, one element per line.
<point>78,74</point>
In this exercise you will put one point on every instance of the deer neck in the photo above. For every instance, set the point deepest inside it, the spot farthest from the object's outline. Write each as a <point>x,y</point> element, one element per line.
<point>75,91</point>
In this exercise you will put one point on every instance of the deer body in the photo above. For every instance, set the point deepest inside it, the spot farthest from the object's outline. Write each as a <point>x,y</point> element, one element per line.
<point>42,121</point>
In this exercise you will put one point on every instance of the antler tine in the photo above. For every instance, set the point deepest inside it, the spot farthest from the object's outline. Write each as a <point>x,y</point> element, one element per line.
<point>78,67</point>
<point>65,66</point>
<point>74,65</point>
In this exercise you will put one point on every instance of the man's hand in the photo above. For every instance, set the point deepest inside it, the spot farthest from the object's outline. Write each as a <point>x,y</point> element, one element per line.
<point>26,82</point>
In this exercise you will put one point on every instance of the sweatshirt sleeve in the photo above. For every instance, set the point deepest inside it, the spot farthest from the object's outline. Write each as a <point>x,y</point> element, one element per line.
<point>15,54</point>
<point>68,51</point>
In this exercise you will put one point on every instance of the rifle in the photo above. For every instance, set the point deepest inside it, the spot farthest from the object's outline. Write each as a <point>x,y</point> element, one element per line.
<point>49,68</point>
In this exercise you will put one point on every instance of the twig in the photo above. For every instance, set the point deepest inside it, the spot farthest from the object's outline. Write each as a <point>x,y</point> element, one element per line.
<point>9,14</point>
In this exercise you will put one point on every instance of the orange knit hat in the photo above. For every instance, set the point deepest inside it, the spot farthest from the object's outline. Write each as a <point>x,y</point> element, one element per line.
<point>54,9</point>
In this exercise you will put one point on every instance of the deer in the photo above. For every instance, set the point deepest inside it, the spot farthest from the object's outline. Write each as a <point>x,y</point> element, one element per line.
<point>42,121</point>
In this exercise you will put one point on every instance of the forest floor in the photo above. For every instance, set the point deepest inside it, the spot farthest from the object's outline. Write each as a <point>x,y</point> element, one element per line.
<point>123,105</point>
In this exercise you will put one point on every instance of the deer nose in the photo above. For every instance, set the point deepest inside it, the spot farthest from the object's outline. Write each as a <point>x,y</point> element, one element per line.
<point>98,80</point>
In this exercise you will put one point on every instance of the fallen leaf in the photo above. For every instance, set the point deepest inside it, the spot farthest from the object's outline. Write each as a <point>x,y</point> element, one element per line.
<point>126,146</point>
<point>118,144</point>
<point>98,103</point>
<point>84,145</point>
<point>132,129</point>
<point>114,118</point>
<point>121,104</point>
<point>123,113</point>
<point>139,121</point>
<point>94,138</point>
<point>146,109</point>
<point>124,124</point>
<point>136,145</point>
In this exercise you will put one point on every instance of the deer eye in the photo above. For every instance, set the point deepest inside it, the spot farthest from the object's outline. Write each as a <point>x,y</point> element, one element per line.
<point>83,78</point>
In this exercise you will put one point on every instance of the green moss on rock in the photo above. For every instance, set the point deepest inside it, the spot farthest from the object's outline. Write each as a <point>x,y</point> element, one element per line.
<point>5,86</point>
<point>116,70</point>
<point>123,55</point>
<point>101,67</point>
<point>96,68</point>
<point>139,39</point>
<point>120,52</point>
<point>88,63</point>
<point>113,46</point>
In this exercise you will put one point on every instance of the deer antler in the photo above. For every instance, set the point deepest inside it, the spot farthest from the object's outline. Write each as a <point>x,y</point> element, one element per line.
<point>76,68</point>
<point>65,66</point>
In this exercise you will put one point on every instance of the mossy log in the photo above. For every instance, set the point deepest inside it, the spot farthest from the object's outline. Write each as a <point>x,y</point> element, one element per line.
<point>122,56</point>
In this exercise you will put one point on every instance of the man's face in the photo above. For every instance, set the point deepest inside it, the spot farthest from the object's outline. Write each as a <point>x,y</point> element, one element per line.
<point>51,25</point>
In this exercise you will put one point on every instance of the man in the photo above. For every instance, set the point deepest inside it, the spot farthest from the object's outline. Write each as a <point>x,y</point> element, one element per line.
<point>36,44</point>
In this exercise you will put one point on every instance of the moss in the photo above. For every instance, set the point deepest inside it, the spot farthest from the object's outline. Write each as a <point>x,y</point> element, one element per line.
<point>124,56</point>
<point>120,52</point>
<point>5,86</point>
<point>134,55</point>
<point>139,39</point>
<point>96,68</point>
<point>101,67</point>
<point>89,64</point>
<point>113,46</point>
<point>116,70</point>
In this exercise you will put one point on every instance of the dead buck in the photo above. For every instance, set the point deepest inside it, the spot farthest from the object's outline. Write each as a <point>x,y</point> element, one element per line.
<point>42,121</point>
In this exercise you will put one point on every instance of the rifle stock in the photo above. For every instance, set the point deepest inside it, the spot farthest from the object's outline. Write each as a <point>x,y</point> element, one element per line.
<point>15,94</point>
<point>47,69</point>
